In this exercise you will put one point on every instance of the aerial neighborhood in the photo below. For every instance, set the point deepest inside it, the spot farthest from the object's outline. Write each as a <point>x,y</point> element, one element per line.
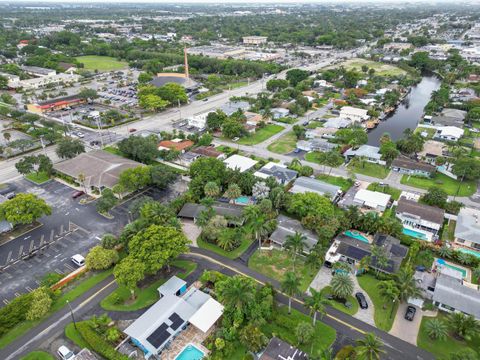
<point>245,181</point>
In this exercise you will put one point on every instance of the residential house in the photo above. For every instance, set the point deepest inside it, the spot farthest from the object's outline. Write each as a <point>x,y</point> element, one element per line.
<point>337,123</point>
<point>373,200</point>
<point>233,106</point>
<point>12,79</point>
<point>99,168</point>
<point>464,94</point>
<point>208,151</point>
<point>242,163</point>
<point>176,309</point>
<point>280,350</point>
<point>288,227</point>
<point>175,144</point>
<point>278,113</point>
<point>354,114</point>
<point>367,152</point>
<point>432,150</point>
<point>316,145</point>
<point>408,166</point>
<point>253,119</point>
<point>449,133</point>
<point>187,159</point>
<point>278,171</point>
<point>467,229</point>
<point>305,184</point>
<point>233,213</point>
<point>352,250</point>
<point>198,121</point>
<point>414,215</point>
<point>67,67</point>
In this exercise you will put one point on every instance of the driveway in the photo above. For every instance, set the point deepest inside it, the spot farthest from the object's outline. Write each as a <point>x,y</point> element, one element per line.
<point>404,329</point>
<point>191,231</point>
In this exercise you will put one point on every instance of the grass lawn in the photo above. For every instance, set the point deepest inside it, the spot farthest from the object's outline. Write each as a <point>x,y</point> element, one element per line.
<point>275,263</point>
<point>101,63</point>
<point>443,349</point>
<point>261,135</point>
<point>370,169</point>
<point>113,150</point>
<point>74,335</point>
<point>380,68</point>
<point>344,183</point>
<point>145,296</point>
<point>283,325</point>
<point>314,125</point>
<point>382,316</point>
<point>287,120</point>
<point>287,143</point>
<point>228,254</point>
<point>38,355</point>
<point>451,186</point>
<point>449,231</point>
<point>395,193</point>
<point>81,287</point>
<point>339,306</point>
<point>39,178</point>
<point>429,131</point>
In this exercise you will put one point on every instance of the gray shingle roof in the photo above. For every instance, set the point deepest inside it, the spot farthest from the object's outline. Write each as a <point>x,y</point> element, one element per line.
<point>288,226</point>
<point>305,184</point>
<point>283,174</point>
<point>406,163</point>
<point>426,212</point>
<point>468,226</point>
<point>192,211</point>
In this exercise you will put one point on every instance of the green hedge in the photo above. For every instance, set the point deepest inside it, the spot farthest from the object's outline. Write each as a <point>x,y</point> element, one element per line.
<point>14,313</point>
<point>97,343</point>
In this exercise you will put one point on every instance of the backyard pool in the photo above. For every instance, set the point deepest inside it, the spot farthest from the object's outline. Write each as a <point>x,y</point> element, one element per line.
<point>356,235</point>
<point>242,200</point>
<point>415,234</point>
<point>190,352</point>
<point>468,251</point>
<point>442,262</point>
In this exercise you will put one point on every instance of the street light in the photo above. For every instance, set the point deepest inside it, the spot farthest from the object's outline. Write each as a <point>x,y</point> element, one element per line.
<point>71,313</point>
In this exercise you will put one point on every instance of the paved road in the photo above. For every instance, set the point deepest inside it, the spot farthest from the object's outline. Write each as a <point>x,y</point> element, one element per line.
<point>345,325</point>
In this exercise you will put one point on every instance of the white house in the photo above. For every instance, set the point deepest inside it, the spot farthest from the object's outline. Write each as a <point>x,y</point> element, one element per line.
<point>354,114</point>
<point>451,133</point>
<point>371,199</point>
<point>278,113</point>
<point>242,163</point>
<point>198,120</point>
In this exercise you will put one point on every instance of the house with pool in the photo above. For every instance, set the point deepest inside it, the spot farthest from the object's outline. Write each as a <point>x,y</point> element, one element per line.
<point>177,323</point>
<point>420,221</point>
<point>351,247</point>
<point>467,231</point>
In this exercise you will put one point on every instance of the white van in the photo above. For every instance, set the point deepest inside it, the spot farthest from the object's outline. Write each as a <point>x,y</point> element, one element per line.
<point>78,260</point>
<point>65,353</point>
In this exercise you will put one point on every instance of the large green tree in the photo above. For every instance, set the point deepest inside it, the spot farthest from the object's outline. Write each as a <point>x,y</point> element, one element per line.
<point>24,209</point>
<point>138,148</point>
<point>290,286</point>
<point>69,148</point>
<point>128,273</point>
<point>369,348</point>
<point>99,258</point>
<point>135,178</point>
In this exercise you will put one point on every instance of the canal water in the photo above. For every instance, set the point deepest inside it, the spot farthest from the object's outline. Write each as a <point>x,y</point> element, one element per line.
<point>408,113</point>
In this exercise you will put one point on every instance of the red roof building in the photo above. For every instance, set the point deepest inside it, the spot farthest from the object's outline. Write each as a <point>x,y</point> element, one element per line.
<point>175,144</point>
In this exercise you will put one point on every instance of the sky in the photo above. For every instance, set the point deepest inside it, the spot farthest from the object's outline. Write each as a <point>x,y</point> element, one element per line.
<point>234,1</point>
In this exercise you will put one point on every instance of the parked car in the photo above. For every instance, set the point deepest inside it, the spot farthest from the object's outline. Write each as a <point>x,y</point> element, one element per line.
<point>361,300</point>
<point>356,183</point>
<point>78,260</point>
<point>410,314</point>
<point>206,99</point>
<point>77,194</point>
<point>10,195</point>
<point>132,130</point>
<point>65,353</point>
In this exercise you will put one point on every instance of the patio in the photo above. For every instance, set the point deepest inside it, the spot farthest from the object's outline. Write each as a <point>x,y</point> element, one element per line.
<point>191,335</point>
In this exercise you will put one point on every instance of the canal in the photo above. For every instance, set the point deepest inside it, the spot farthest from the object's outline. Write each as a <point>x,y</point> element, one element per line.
<point>408,113</point>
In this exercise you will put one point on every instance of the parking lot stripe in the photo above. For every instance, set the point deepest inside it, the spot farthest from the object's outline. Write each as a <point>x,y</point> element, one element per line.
<point>62,244</point>
<point>9,257</point>
<point>16,294</point>
<point>69,267</point>
<point>42,241</point>
<point>20,251</point>
<point>37,282</point>
<point>32,243</point>
<point>58,271</point>
<point>51,235</point>
<point>29,289</point>
<point>5,301</point>
<point>55,249</point>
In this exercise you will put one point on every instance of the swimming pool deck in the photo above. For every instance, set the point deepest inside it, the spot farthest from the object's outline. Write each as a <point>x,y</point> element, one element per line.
<point>191,335</point>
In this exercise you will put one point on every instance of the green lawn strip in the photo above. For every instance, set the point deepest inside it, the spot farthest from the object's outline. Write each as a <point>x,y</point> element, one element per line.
<point>275,263</point>
<point>314,125</point>
<point>283,326</point>
<point>370,169</point>
<point>38,355</point>
<point>383,320</point>
<point>145,296</point>
<point>449,185</point>
<point>59,303</point>
<point>314,157</point>
<point>448,232</point>
<point>344,183</point>
<point>339,306</point>
<point>233,85</point>
<point>39,178</point>
<point>261,135</point>
<point>429,131</point>
<point>113,150</point>
<point>443,349</point>
<point>285,144</point>
<point>206,94</point>
<point>74,335</point>
<point>101,63</point>
<point>395,193</point>
<point>286,120</point>
<point>228,254</point>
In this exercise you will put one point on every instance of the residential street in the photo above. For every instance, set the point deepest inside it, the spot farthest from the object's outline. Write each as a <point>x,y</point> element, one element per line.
<point>345,325</point>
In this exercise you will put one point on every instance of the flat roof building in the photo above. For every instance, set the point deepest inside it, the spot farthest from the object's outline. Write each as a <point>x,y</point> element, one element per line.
<point>242,163</point>
<point>372,199</point>
<point>255,40</point>
<point>305,184</point>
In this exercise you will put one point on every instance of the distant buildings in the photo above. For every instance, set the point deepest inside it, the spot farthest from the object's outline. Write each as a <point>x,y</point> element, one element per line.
<point>254,40</point>
<point>55,104</point>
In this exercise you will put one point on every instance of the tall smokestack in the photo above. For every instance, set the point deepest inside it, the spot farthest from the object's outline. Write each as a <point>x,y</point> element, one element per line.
<point>187,75</point>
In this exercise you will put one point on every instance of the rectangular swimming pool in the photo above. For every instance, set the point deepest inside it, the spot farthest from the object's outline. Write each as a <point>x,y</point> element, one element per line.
<point>190,352</point>
<point>356,235</point>
<point>463,271</point>
<point>468,251</point>
<point>415,234</point>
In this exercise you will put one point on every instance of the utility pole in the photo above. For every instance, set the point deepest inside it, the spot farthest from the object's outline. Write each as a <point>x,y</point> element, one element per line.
<point>71,313</point>
<point>43,145</point>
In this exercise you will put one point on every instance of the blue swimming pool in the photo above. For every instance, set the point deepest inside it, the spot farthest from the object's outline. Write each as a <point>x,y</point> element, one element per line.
<point>356,235</point>
<point>242,200</point>
<point>415,234</point>
<point>468,251</point>
<point>190,352</point>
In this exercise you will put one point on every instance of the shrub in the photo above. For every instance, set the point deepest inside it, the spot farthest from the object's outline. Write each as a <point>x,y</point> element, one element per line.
<point>99,258</point>
<point>345,353</point>
<point>40,304</point>
<point>14,313</point>
<point>51,279</point>
<point>97,343</point>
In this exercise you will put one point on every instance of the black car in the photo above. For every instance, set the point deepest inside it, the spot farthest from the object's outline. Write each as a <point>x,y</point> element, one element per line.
<point>410,314</point>
<point>361,300</point>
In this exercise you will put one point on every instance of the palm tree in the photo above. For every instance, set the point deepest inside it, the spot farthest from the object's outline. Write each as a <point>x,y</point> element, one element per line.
<point>406,284</point>
<point>233,192</point>
<point>381,261</point>
<point>369,348</point>
<point>237,292</point>
<point>445,252</point>
<point>437,329</point>
<point>464,258</point>
<point>342,285</point>
<point>226,242</point>
<point>256,222</point>
<point>211,189</point>
<point>290,287</point>
<point>353,215</point>
<point>317,303</point>
<point>476,272</point>
<point>388,290</point>
<point>81,177</point>
<point>462,325</point>
<point>295,244</point>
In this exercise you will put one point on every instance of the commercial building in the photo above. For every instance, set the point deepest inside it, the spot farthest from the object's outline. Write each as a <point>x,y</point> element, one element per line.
<point>177,309</point>
<point>414,215</point>
<point>39,82</point>
<point>38,71</point>
<point>55,104</point>
<point>373,200</point>
<point>240,163</point>
<point>467,230</point>
<point>99,168</point>
<point>305,184</point>
<point>254,40</point>
<point>278,171</point>
<point>408,166</point>
<point>288,227</point>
